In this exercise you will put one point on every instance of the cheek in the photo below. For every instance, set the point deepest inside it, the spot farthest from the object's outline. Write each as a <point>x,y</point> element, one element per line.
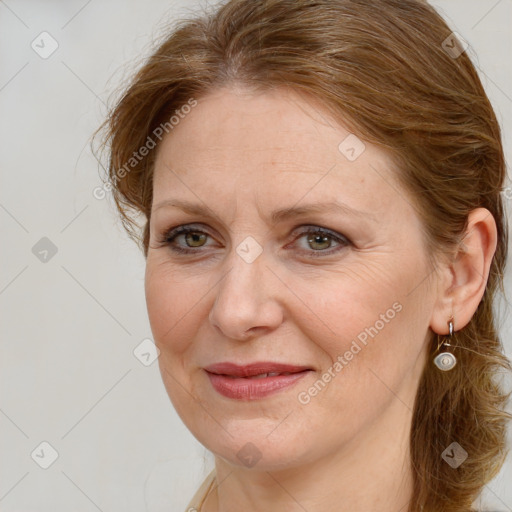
<point>342,303</point>
<point>368,317</point>
<point>170,304</point>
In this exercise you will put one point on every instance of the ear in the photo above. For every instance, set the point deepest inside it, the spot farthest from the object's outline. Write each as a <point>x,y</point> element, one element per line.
<point>463,279</point>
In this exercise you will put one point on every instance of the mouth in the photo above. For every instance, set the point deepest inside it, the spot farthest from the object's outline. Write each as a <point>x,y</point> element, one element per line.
<point>256,381</point>
<point>259,376</point>
<point>257,370</point>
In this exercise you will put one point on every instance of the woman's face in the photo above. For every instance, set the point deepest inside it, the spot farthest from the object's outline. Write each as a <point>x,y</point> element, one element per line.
<point>352,303</point>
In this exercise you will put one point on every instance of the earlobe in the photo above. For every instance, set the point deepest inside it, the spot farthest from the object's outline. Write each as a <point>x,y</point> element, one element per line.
<point>466,275</point>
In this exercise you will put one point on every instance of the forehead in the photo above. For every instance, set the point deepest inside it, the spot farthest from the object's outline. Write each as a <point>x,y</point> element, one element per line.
<point>273,123</point>
<point>274,146</point>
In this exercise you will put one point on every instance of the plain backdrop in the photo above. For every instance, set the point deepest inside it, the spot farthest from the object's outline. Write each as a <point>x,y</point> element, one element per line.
<point>71,283</point>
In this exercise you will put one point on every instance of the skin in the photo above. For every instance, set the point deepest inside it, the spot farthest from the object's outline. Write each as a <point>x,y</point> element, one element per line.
<point>242,155</point>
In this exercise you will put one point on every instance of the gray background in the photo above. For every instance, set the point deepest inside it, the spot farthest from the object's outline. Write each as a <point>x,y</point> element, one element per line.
<point>71,323</point>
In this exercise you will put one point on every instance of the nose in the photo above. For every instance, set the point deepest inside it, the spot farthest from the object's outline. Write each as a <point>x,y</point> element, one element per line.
<point>247,302</point>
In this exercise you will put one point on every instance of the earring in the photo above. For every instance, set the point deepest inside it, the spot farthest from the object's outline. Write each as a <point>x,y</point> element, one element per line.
<point>445,361</point>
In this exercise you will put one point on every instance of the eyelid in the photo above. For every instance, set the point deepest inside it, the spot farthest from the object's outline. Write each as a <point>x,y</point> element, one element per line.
<point>181,229</point>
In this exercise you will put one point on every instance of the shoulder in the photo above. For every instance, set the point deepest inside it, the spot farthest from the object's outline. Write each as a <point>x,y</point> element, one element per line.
<point>197,501</point>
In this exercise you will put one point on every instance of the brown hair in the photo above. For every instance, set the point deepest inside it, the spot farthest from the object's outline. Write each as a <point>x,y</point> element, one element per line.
<point>384,68</point>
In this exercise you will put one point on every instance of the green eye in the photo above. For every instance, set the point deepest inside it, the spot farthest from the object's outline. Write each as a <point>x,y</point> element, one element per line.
<point>321,240</point>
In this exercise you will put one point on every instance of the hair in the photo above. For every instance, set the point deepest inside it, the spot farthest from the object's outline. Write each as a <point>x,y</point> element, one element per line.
<point>382,67</point>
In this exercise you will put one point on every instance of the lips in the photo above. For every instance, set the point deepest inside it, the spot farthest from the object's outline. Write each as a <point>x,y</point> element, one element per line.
<point>255,381</point>
<point>255,370</point>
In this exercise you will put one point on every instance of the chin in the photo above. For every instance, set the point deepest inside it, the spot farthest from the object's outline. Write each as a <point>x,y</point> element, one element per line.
<point>253,448</point>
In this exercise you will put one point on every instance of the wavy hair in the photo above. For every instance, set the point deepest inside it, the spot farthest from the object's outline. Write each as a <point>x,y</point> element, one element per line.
<point>392,72</point>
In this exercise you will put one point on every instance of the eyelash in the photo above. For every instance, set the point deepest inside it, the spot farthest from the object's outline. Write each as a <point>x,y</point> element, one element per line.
<point>170,236</point>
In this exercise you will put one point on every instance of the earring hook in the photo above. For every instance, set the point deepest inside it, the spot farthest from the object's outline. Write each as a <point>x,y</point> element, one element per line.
<point>450,329</point>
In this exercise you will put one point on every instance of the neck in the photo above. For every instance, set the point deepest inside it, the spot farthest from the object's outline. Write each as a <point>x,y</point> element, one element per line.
<point>372,472</point>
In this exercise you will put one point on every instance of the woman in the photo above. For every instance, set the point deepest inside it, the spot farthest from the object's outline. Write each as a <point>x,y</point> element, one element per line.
<point>324,234</point>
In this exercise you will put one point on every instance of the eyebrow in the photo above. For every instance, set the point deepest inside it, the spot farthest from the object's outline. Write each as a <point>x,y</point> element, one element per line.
<point>277,215</point>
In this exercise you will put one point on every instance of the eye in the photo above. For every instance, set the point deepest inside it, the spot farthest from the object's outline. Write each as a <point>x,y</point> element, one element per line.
<point>320,239</point>
<point>317,238</point>
<point>194,238</point>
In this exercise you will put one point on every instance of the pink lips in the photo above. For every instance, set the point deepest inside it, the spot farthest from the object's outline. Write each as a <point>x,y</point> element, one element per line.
<point>249,382</point>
